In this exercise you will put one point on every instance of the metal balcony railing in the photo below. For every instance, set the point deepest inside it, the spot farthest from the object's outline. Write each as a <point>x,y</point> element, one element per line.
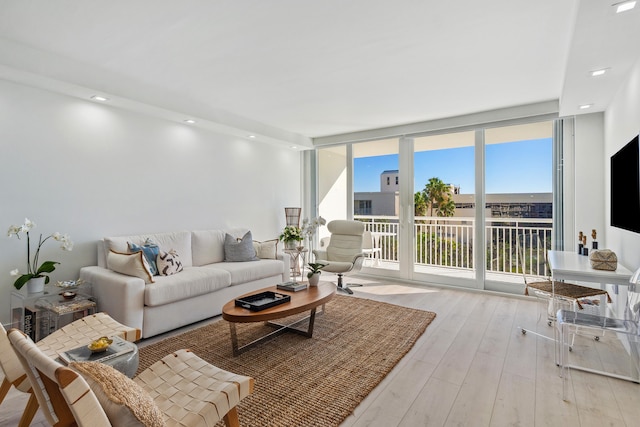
<point>449,242</point>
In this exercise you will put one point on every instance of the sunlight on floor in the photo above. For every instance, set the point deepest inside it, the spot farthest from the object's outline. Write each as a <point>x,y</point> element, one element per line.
<point>393,290</point>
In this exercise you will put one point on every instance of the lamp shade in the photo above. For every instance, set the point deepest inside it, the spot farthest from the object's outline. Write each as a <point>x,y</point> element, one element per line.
<point>292,215</point>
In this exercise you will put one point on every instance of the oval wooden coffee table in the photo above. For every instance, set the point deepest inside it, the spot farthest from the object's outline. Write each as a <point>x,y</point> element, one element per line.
<point>301,301</point>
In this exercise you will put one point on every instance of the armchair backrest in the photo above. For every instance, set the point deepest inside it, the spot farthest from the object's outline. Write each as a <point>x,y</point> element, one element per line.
<point>10,364</point>
<point>64,396</point>
<point>346,240</point>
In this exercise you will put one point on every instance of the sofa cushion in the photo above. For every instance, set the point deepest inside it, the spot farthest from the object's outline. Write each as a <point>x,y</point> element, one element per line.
<point>169,263</point>
<point>180,241</point>
<point>133,264</point>
<point>239,250</point>
<point>266,250</point>
<point>242,272</point>
<point>150,251</point>
<point>191,282</point>
<point>207,247</point>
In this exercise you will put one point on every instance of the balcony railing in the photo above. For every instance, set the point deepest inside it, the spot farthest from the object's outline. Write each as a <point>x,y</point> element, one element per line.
<point>449,242</point>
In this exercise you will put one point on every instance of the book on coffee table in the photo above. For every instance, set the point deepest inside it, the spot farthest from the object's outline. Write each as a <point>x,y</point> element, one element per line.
<point>83,354</point>
<point>292,286</point>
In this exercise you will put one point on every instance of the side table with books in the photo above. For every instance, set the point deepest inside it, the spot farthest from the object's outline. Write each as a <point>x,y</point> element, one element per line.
<point>41,313</point>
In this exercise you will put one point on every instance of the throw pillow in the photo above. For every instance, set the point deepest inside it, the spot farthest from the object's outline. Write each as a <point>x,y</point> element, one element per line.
<point>169,263</point>
<point>134,264</point>
<point>150,251</point>
<point>124,401</point>
<point>267,249</point>
<point>239,250</point>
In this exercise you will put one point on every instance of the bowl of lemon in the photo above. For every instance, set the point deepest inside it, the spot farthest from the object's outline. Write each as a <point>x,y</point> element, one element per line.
<point>100,345</point>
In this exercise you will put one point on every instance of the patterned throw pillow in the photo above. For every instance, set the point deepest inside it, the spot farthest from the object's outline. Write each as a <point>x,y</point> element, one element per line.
<point>239,250</point>
<point>150,251</point>
<point>169,263</point>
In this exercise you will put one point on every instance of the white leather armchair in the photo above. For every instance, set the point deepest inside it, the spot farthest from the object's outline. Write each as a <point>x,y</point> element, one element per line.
<point>344,252</point>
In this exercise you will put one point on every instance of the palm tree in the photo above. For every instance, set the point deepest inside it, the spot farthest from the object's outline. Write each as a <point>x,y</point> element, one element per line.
<point>447,208</point>
<point>420,204</point>
<point>435,192</point>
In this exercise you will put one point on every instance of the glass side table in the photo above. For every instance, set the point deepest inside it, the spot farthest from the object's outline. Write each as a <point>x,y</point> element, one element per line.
<point>41,313</point>
<point>296,256</point>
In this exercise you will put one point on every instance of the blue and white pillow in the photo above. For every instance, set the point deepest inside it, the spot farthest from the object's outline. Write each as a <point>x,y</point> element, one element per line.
<point>150,251</point>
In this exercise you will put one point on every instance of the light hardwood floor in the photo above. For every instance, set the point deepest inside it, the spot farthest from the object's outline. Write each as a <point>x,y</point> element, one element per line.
<point>474,367</point>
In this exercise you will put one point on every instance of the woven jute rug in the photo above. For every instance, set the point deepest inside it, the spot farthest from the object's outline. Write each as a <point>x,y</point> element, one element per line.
<point>302,381</point>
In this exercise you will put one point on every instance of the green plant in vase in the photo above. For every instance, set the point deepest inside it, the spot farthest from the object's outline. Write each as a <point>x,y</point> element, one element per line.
<point>315,269</point>
<point>291,235</point>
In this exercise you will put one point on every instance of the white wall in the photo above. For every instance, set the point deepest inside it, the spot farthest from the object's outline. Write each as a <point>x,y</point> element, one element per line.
<point>91,170</point>
<point>589,179</point>
<point>621,124</point>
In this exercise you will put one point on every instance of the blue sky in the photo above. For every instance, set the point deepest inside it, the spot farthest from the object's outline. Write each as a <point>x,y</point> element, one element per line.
<point>514,167</point>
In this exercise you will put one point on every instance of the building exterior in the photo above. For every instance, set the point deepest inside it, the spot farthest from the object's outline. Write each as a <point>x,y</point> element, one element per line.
<point>504,205</point>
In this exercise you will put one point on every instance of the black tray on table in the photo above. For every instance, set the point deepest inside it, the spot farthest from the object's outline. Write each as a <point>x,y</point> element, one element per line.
<point>262,301</point>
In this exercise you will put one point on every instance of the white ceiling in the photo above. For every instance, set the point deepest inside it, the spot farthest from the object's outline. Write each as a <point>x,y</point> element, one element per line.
<point>291,70</point>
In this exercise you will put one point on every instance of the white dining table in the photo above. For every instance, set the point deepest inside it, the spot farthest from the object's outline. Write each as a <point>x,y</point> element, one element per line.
<point>570,266</point>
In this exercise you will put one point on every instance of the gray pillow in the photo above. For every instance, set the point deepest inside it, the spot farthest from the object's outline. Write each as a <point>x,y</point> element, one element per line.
<point>239,250</point>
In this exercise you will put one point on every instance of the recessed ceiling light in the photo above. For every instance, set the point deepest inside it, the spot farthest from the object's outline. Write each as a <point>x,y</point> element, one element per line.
<point>624,6</point>
<point>252,136</point>
<point>99,98</point>
<point>293,147</point>
<point>190,121</point>
<point>596,73</point>
<point>585,106</point>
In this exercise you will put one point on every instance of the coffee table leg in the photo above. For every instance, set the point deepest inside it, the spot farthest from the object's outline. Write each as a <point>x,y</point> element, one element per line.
<point>281,329</point>
<point>234,339</point>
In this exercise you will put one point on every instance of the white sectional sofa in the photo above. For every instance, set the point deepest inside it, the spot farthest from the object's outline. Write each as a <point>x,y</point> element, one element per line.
<point>197,292</point>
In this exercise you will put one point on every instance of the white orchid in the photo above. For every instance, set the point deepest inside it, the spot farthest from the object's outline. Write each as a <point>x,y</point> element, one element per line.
<point>33,270</point>
<point>309,227</point>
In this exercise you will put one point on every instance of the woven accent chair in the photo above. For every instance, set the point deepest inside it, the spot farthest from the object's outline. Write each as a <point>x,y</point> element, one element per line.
<point>344,252</point>
<point>532,255</point>
<point>75,334</point>
<point>185,389</point>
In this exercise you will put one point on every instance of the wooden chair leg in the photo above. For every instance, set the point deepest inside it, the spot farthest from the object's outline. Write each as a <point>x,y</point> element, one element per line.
<point>29,411</point>
<point>4,389</point>
<point>231,419</point>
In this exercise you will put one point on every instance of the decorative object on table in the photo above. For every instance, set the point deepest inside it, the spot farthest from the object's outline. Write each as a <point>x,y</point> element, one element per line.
<point>68,295</point>
<point>100,345</point>
<point>291,235</point>
<point>603,259</point>
<point>70,284</point>
<point>585,249</point>
<point>315,268</point>
<point>309,228</point>
<point>580,245</point>
<point>292,216</point>
<point>262,301</point>
<point>292,286</point>
<point>594,244</point>
<point>34,269</point>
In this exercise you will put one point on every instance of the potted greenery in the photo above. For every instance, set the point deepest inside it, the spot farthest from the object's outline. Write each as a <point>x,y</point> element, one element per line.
<point>37,274</point>
<point>291,235</point>
<point>315,268</point>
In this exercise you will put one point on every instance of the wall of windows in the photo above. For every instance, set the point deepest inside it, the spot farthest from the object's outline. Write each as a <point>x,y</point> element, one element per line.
<point>419,194</point>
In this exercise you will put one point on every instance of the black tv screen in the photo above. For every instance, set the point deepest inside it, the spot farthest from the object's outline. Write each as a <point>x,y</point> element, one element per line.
<point>625,187</point>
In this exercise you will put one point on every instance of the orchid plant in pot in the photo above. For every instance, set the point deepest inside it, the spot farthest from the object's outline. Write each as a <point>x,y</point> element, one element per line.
<point>315,268</point>
<point>35,269</point>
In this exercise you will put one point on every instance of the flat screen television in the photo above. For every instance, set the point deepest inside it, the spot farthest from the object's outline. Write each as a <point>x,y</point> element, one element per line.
<point>625,187</point>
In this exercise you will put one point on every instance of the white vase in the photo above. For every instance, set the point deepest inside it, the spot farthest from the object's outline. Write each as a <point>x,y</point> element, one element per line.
<point>314,279</point>
<point>35,285</point>
<point>290,244</point>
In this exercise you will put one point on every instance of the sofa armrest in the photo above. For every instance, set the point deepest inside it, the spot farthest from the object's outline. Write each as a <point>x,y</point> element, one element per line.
<point>286,259</point>
<point>120,296</point>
